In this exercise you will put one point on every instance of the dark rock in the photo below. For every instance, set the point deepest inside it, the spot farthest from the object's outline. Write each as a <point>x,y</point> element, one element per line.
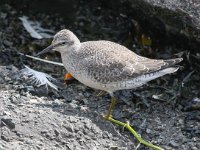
<point>167,22</point>
<point>8,43</point>
<point>69,128</point>
<point>7,135</point>
<point>174,144</point>
<point>8,122</point>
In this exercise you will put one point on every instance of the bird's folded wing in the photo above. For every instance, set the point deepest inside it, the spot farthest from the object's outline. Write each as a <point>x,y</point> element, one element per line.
<point>108,65</point>
<point>116,68</point>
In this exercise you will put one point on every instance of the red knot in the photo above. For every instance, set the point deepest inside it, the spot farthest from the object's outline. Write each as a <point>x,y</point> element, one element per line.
<point>106,65</point>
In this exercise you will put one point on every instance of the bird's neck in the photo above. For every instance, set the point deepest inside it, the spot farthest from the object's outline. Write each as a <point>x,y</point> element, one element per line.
<point>69,57</point>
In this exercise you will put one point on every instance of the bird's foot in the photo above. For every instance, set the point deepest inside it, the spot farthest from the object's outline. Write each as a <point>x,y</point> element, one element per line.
<point>107,117</point>
<point>137,136</point>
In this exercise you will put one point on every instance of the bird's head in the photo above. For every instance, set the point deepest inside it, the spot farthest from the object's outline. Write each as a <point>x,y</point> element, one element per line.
<point>62,41</point>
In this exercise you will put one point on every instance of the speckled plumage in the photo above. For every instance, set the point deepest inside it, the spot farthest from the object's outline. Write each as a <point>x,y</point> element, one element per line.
<point>107,65</point>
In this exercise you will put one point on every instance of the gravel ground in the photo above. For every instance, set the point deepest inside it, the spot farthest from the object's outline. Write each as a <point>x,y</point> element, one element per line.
<point>32,122</point>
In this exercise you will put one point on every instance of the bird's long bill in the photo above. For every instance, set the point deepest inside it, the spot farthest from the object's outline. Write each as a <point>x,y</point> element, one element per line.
<point>48,49</point>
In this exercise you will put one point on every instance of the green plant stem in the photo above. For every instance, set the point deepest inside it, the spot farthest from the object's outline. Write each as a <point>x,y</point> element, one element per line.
<point>129,128</point>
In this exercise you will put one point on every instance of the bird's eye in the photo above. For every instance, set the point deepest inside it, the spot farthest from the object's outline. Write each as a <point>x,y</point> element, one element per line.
<point>63,43</point>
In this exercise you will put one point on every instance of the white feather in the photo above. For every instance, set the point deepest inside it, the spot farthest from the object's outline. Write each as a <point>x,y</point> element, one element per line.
<point>43,60</point>
<point>39,78</point>
<point>35,29</point>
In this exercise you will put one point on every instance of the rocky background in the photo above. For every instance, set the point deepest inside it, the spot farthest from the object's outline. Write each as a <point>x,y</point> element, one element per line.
<point>165,112</point>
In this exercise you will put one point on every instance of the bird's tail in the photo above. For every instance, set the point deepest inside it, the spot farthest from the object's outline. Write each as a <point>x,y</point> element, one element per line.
<point>151,76</point>
<point>168,70</point>
<point>171,66</point>
<point>171,62</point>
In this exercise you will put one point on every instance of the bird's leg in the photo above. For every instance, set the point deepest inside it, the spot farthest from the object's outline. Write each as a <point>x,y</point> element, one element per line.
<point>112,105</point>
<point>127,126</point>
<point>101,93</point>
